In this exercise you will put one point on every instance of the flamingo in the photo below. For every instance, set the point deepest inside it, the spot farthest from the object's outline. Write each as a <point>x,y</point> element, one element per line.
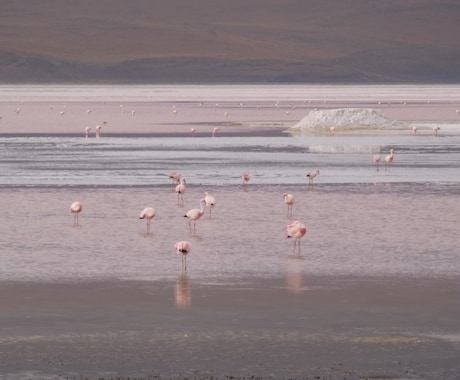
<point>209,201</point>
<point>175,176</point>
<point>214,131</point>
<point>75,209</point>
<point>376,159</point>
<point>87,131</point>
<point>193,130</point>
<point>289,200</point>
<point>296,230</point>
<point>311,175</point>
<point>414,130</point>
<point>147,213</point>
<point>389,159</point>
<point>98,131</point>
<point>183,248</point>
<point>246,177</point>
<point>331,131</point>
<point>195,214</point>
<point>180,190</point>
<point>435,130</point>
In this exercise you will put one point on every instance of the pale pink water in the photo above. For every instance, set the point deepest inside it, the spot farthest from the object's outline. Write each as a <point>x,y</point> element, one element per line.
<point>362,230</point>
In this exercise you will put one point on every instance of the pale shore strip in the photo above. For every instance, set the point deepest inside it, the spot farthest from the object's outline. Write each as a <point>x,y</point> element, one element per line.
<point>323,328</point>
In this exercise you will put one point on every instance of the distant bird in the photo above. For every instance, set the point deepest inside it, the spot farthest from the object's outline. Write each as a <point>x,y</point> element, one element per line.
<point>289,199</point>
<point>175,177</point>
<point>98,131</point>
<point>312,175</point>
<point>296,230</point>
<point>193,130</point>
<point>209,201</point>
<point>246,177</point>
<point>436,130</point>
<point>414,130</point>
<point>75,209</point>
<point>214,131</point>
<point>194,214</point>
<point>377,159</point>
<point>183,248</point>
<point>180,190</point>
<point>87,131</point>
<point>389,159</point>
<point>331,131</point>
<point>148,214</point>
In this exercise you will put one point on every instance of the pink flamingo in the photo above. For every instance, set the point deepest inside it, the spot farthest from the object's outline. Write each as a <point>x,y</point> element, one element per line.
<point>414,130</point>
<point>195,214</point>
<point>436,130</point>
<point>87,131</point>
<point>98,131</point>
<point>296,230</point>
<point>289,200</point>
<point>193,130</point>
<point>180,190</point>
<point>209,201</point>
<point>246,178</point>
<point>175,177</point>
<point>331,131</point>
<point>376,159</point>
<point>312,175</point>
<point>75,209</point>
<point>183,248</point>
<point>389,160</point>
<point>214,131</point>
<point>147,213</point>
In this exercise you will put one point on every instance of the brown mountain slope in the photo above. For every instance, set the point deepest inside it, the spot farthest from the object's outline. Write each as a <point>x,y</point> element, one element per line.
<point>221,40</point>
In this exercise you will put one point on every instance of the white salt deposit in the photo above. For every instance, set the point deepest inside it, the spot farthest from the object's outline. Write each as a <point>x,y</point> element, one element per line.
<point>344,120</point>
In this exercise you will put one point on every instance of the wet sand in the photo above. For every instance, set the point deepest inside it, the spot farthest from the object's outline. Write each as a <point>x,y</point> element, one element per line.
<point>323,328</point>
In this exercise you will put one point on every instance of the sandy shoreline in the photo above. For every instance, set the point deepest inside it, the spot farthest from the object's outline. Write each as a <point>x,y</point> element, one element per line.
<point>332,328</point>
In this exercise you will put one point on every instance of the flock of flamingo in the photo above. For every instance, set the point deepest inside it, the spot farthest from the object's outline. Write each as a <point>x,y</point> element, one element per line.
<point>295,230</point>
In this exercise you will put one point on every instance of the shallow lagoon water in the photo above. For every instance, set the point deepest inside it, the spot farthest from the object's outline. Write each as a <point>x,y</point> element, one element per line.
<point>361,222</point>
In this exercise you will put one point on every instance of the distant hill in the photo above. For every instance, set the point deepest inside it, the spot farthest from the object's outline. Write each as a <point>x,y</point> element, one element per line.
<point>177,41</point>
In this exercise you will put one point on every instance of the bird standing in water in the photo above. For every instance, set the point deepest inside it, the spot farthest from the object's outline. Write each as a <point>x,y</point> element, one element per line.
<point>296,230</point>
<point>147,213</point>
<point>194,214</point>
<point>210,202</point>
<point>289,199</point>
<point>312,175</point>
<point>75,209</point>
<point>183,248</point>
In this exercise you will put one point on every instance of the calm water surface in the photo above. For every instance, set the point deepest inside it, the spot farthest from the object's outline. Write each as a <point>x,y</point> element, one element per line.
<point>363,222</point>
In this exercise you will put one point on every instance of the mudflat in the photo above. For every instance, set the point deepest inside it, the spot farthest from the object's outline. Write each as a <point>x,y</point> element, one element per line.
<point>302,328</point>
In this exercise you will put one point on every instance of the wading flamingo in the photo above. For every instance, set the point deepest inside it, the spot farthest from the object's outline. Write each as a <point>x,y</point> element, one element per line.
<point>436,130</point>
<point>209,201</point>
<point>246,177</point>
<point>175,177</point>
<point>148,214</point>
<point>87,131</point>
<point>296,230</point>
<point>194,214</point>
<point>376,160</point>
<point>183,248</point>
<point>414,130</point>
<point>193,131</point>
<point>289,200</point>
<point>98,131</point>
<point>214,131</point>
<point>389,160</point>
<point>311,175</point>
<point>75,209</point>
<point>180,190</point>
